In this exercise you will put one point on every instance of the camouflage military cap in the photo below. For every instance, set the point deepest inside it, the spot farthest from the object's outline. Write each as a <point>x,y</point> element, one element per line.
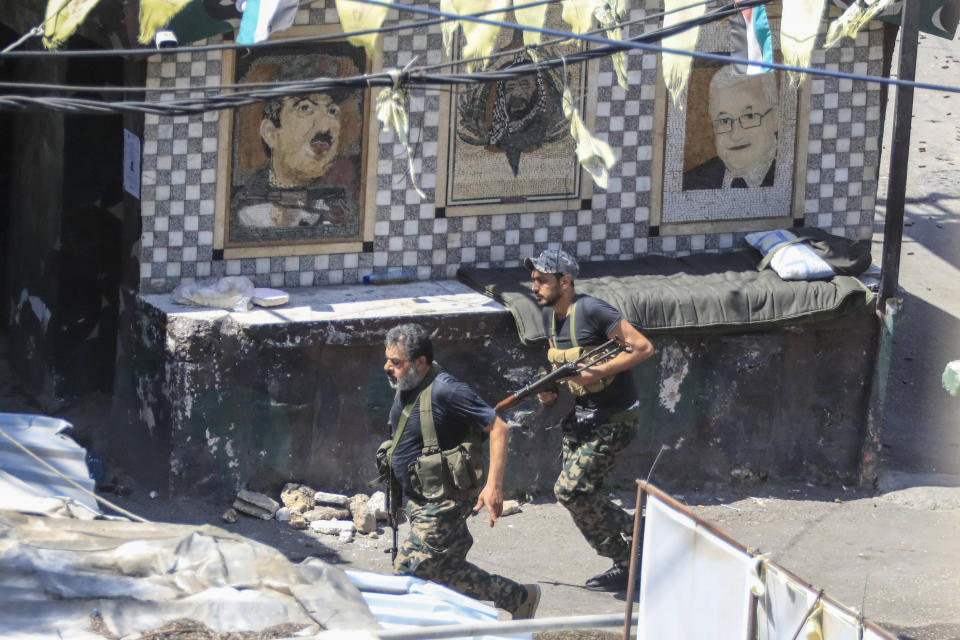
<point>554,261</point>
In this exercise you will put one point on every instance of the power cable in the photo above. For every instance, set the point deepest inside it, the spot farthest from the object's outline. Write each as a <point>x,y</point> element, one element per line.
<point>29,86</point>
<point>417,77</point>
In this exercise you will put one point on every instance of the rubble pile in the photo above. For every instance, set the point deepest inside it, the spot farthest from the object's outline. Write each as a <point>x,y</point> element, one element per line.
<point>305,508</point>
<point>321,512</point>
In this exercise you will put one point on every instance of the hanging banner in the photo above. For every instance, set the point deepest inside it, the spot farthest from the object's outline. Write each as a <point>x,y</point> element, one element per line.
<point>361,16</point>
<point>62,19</point>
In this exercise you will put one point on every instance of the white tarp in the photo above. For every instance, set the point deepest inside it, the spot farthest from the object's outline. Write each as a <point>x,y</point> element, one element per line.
<point>54,572</point>
<point>27,485</point>
<point>687,569</point>
<point>400,602</point>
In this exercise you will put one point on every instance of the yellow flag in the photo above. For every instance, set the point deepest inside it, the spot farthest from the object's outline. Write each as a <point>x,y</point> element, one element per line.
<point>610,20</point>
<point>531,17</point>
<point>449,27</point>
<point>155,14</point>
<point>852,20</point>
<point>799,25</point>
<point>676,67</point>
<point>480,38</point>
<point>593,154</point>
<point>360,16</point>
<point>62,19</point>
<point>579,14</point>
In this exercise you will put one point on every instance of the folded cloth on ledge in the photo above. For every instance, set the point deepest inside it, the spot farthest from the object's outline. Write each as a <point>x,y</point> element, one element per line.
<point>704,292</point>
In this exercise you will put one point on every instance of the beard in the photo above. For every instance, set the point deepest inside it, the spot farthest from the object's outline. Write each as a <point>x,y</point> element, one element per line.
<point>406,383</point>
<point>548,301</point>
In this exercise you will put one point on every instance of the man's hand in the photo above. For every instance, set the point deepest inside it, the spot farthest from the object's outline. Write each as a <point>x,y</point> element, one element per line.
<point>585,377</point>
<point>492,498</point>
<point>547,397</point>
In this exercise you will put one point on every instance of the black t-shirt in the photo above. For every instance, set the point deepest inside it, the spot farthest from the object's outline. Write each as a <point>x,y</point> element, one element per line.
<point>457,410</point>
<point>594,323</point>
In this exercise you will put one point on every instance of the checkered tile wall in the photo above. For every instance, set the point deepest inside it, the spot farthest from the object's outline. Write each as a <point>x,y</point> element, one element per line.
<point>180,166</point>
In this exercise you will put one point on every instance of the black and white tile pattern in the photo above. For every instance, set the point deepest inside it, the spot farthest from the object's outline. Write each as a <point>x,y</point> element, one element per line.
<point>180,166</point>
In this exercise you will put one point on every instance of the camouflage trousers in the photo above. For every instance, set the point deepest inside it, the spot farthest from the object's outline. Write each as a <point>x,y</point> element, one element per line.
<point>588,453</point>
<point>436,550</point>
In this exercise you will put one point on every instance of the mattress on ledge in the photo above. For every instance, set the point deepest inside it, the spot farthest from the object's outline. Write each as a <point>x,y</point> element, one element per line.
<point>700,293</point>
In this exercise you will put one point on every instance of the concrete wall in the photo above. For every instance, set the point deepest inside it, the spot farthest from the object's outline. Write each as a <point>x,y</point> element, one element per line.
<point>221,402</point>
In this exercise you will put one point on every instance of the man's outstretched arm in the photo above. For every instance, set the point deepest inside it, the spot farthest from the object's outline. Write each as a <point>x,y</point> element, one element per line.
<point>492,494</point>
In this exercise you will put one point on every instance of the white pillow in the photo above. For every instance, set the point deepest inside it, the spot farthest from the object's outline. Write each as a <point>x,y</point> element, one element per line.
<point>791,261</point>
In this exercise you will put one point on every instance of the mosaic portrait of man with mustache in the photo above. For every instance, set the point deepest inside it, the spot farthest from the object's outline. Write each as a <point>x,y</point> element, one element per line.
<point>308,173</point>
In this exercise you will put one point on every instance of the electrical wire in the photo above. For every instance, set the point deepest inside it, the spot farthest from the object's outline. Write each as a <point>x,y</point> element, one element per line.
<point>29,86</point>
<point>417,77</point>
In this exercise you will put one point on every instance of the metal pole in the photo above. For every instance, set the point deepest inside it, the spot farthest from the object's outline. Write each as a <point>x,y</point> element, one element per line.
<point>504,627</point>
<point>899,152</point>
<point>636,547</point>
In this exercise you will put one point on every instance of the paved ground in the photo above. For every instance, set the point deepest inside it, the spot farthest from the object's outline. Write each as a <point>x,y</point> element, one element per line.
<point>894,552</point>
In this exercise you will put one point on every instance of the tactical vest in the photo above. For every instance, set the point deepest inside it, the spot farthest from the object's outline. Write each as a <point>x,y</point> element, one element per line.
<point>560,356</point>
<point>438,475</point>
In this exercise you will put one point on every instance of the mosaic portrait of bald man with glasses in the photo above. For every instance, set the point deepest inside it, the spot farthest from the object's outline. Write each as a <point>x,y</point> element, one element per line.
<point>745,117</point>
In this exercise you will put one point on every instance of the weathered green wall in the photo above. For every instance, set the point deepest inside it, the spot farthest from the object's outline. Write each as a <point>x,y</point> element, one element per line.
<point>213,405</point>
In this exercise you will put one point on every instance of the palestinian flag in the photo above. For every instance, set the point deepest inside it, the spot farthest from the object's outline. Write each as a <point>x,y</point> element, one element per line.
<point>751,39</point>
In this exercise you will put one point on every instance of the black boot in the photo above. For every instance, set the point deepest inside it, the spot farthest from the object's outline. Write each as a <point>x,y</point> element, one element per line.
<point>613,579</point>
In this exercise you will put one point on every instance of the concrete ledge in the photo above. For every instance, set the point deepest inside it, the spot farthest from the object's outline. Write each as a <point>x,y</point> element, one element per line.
<point>346,303</point>
<point>213,401</point>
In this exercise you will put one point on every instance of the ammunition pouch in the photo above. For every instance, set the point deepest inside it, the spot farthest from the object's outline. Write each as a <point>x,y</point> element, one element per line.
<point>562,356</point>
<point>454,473</point>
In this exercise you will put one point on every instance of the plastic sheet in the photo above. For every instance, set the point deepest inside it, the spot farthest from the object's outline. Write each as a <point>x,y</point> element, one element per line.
<point>231,292</point>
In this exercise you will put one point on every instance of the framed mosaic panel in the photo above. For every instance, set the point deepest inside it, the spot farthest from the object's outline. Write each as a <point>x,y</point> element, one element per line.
<point>293,171</point>
<point>731,155</point>
<point>505,146</point>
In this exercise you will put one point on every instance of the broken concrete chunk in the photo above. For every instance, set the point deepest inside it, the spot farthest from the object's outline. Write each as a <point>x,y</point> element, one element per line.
<point>256,504</point>
<point>332,527</point>
<point>230,516</point>
<point>327,513</point>
<point>297,521</point>
<point>321,497</point>
<point>378,505</point>
<point>363,517</point>
<point>283,514</point>
<point>346,535</point>
<point>299,497</point>
<point>510,507</point>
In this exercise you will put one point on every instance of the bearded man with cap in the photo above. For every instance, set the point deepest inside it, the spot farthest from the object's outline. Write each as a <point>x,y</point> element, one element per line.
<point>603,420</point>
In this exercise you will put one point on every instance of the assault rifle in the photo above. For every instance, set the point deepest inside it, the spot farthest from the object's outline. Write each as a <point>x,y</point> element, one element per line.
<point>607,350</point>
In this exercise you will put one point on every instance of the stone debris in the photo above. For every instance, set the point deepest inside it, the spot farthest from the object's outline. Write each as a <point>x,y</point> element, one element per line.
<point>331,513</point>
<point>333,527</point>
<point>510,507</point>
<point>230,516</point>
<point>256,504</point>
<point>378,504</point>
<point>322,497</point>
<point>363,516</point>
<point>297,521</point>
<point>327,513</point>
<point>298,497</point>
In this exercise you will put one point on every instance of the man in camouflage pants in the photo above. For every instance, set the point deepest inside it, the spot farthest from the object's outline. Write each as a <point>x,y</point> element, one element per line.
<point>603,420</point>
<point>432,412</point>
